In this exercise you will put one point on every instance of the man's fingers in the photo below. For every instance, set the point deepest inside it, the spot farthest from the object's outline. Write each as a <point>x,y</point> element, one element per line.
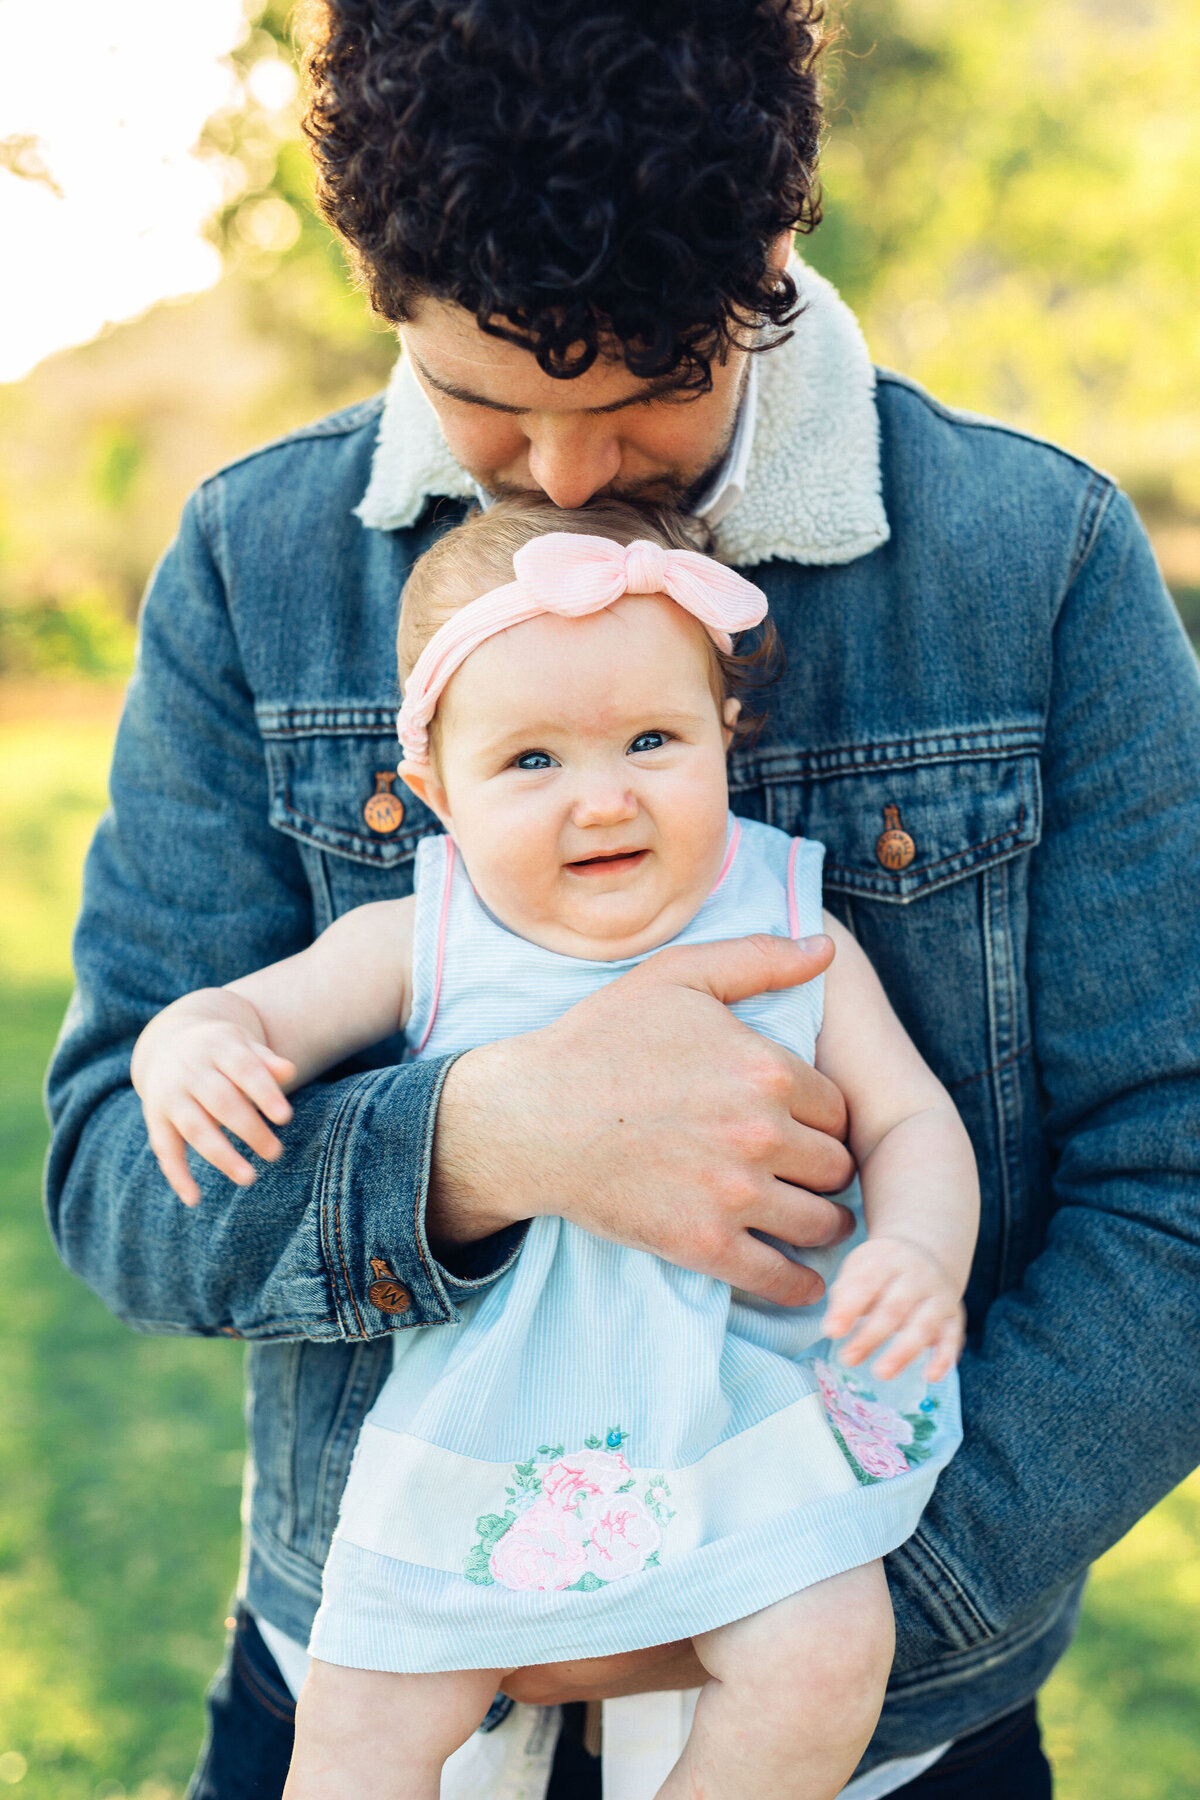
<point>807,1221</point>
<point>737,968</point>
<point>757,1269</point>
<point>167,1146</point>
<point>811,1156</point>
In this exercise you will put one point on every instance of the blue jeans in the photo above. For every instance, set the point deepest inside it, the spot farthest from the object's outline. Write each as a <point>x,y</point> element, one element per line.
<point>249,1744</point>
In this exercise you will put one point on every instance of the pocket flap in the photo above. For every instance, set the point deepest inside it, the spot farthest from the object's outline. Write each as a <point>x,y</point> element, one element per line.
<point>895,832</point>
<point>326,765</point>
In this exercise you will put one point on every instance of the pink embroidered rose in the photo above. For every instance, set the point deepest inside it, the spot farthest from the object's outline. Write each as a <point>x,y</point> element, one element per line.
<point>871,1432</point>
<point>621,1534</point>
<point>871,1451</point>
<point>543,1551</point>
<point>582,1474</point>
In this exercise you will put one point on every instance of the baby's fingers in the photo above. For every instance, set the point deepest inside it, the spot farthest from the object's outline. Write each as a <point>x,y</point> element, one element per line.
<point>167,1146</point>
<point>853,1294</point>
<point>948,1348</point>
<point>922,1332</point>
<point>257,1071</point>
<point>229,1107</point>
<point>198,1130</point>
<point>891,1309</point>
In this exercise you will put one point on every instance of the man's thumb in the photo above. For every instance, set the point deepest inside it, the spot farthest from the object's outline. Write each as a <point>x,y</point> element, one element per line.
<point>735,968</point>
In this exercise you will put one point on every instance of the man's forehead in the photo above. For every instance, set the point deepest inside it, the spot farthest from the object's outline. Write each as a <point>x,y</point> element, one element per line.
<point>455,356</point>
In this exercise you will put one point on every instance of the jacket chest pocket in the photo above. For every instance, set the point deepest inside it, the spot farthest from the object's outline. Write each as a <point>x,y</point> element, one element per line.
<point>927,848</point>
<point>333,789</point>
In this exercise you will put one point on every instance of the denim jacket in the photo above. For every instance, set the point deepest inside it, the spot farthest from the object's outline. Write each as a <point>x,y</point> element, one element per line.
<point>1003,681</point>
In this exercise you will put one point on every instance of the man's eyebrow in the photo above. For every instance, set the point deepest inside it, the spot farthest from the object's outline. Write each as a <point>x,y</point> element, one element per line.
<point>666,384</point>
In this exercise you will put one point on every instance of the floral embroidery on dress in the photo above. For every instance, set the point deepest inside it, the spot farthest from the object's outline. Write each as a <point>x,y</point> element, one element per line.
<point>572,1521</point>
<point>876,1440</point>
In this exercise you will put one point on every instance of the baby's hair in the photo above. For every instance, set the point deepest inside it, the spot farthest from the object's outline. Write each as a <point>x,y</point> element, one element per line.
<point>473,558</point>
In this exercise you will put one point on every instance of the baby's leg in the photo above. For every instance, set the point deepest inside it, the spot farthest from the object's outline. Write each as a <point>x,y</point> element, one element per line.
<point>364,1735</point>
<point>793,1697</point>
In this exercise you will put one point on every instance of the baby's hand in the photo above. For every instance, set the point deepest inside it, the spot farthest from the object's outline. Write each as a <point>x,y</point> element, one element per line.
<point>196,1075</point>
<point>892,1288</point>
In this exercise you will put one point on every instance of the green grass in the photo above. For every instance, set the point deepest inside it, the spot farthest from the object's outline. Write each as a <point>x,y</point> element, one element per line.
<point>121,1458</point>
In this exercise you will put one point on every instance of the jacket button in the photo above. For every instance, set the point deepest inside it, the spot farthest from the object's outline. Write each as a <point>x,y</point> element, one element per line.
<point>385,1292</point>
<point>894,848</point>
<point>384,810</point>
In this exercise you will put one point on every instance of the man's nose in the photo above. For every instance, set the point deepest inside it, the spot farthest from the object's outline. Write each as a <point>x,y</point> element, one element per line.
<point>572,458</point>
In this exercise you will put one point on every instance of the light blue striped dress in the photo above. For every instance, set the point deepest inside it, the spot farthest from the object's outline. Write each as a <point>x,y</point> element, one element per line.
<point>610,1452</point>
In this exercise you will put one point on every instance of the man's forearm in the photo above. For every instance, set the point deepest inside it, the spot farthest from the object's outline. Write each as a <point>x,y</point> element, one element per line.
<point>329,1244</point>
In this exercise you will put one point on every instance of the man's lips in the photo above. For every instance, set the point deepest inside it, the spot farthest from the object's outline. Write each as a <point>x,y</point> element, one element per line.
<point>610,860</point>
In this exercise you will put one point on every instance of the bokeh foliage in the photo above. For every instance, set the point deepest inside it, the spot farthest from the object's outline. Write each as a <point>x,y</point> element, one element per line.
<point>1010,206</point>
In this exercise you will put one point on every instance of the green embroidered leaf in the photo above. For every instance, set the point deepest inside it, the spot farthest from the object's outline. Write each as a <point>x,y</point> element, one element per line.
<point>923,1426</point>
<point>651,1561</point>
<point>476,1567</point>
<point>551,1450</point>
<point>593,1443</point>
<point>587,1584</point>
<point>492,1527</point>
<point>625,1486</point>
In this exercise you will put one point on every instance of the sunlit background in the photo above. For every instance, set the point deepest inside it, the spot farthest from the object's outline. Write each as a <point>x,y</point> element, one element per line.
<point>1012,209</point>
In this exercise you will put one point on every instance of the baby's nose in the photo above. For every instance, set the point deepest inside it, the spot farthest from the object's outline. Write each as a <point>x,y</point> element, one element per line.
<point>604,803</point>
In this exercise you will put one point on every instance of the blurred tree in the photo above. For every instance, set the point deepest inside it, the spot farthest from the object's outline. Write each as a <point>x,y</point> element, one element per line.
<point>1011,205</point>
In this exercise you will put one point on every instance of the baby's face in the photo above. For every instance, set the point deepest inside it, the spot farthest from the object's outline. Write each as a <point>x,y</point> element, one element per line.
<point>582,773</point>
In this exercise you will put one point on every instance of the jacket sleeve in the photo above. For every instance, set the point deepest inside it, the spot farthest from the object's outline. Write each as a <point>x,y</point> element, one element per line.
<point>186,885</point>
<point>1082,1399</point>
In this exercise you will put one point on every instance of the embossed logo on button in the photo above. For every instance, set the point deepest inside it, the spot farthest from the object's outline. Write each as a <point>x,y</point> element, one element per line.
<point>385,1292</point>
<point>384,811</point>
<point>894,848</point>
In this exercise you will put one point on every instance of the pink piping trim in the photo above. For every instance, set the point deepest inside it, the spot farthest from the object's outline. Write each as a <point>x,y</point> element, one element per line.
<point>793,910</point>
<point>441,951</point>
<point>735,838</point>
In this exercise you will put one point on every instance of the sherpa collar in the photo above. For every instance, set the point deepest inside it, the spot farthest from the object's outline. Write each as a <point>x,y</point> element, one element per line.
<point>813,483</point>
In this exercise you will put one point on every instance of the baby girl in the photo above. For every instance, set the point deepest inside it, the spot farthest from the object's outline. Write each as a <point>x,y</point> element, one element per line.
<point>609,1452</point>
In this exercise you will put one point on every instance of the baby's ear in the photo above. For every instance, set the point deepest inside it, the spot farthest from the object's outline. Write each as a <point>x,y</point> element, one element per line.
<point>425,785</point>
<point>730,713</point>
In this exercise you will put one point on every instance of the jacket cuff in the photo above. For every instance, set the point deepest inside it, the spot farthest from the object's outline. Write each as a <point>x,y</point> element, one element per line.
<point>373,1185</point>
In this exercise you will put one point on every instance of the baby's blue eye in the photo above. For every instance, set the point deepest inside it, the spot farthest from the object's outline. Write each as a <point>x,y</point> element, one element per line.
<point>649,740</point>
<point>534,759</point>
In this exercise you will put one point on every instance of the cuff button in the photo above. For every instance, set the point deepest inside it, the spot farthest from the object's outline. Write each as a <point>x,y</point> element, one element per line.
<point>385,1292</point>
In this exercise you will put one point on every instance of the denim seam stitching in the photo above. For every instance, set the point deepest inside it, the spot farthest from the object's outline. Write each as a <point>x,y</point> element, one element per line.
<point>1096,504</point>
<point>337,1150</point>
<point>966,1609</point>
<point>992,1069</point>
<point>264,1695</point>
<point>421,1196</point>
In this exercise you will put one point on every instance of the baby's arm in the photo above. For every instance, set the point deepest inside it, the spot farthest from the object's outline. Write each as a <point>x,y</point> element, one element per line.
<point>226,1057</point>
<point>919,1182</point>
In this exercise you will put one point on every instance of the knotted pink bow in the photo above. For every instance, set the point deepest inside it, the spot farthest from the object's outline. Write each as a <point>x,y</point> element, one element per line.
<point>564,572</point>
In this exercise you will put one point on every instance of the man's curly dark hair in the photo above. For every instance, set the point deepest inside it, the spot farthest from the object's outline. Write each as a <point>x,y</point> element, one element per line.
<point>573,171</point>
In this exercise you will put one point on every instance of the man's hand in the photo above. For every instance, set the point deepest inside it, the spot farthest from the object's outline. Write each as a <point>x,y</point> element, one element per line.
<point>650,1115</point>
<point>666,1668</point>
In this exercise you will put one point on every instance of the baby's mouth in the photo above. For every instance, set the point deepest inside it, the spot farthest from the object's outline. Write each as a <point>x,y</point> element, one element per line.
<point>607,861</point>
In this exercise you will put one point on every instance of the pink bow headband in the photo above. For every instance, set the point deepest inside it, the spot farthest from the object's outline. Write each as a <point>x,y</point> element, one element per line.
<point>566,573</point>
